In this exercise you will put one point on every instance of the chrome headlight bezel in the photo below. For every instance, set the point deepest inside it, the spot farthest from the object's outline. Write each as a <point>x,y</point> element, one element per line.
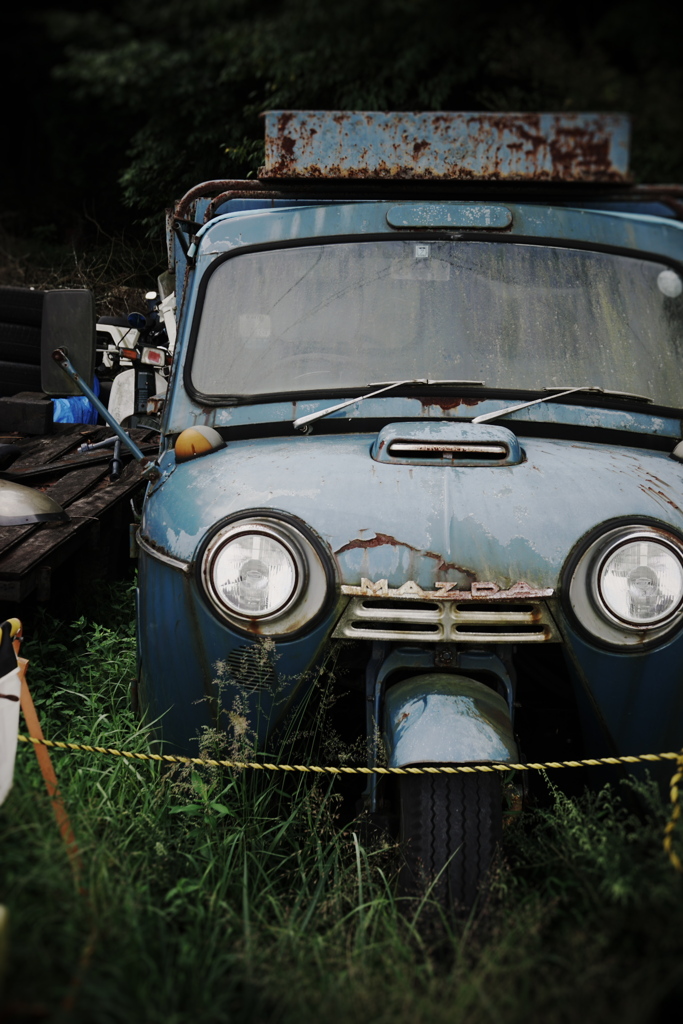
<point>585,591</point>
<point>313,574</point>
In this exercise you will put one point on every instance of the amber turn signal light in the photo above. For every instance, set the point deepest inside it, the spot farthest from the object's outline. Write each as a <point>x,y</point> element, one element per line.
<point>196,441</point>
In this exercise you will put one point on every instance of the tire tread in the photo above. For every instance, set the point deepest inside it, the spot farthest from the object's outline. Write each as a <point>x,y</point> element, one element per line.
<point>16,377</point>
<point>21,306</point>
<point>20,343</point>
<point>450,828</point>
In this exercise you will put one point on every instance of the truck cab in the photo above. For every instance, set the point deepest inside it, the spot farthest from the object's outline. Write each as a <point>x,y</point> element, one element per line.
<point>425,408</point>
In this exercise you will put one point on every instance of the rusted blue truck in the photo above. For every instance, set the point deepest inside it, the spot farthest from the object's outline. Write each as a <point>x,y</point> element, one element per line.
<point>426,408</point>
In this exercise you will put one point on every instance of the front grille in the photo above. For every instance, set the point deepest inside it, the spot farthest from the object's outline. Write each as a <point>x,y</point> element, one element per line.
<point>467,621</point>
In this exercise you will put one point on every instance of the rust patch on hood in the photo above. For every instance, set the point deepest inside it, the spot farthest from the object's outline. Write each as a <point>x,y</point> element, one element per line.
<point>381,539</point>
<point>657,494</point>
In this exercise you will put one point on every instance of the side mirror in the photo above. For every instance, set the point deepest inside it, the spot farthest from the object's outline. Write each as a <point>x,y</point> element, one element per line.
<point>68,323</point>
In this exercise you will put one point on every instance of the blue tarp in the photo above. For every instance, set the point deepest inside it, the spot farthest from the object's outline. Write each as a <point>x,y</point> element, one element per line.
<point>75,410</point>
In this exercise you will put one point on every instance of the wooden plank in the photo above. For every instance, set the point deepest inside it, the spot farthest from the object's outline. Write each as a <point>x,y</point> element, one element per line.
<point>48,449</point>
<point>28,552</point>
<point>64,491</point>
<point>73,486</point>
<point>53,453</point>
<point>52,536</point>
<point>39,451</point>
<point>52,470</point>
<point>15,591</point>
<point>10,536</point>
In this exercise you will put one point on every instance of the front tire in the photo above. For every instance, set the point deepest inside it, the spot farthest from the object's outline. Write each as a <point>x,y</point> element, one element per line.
<point>450,827</point>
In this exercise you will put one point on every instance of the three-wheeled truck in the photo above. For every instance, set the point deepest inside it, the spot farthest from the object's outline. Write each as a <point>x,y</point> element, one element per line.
<point>425,404</point>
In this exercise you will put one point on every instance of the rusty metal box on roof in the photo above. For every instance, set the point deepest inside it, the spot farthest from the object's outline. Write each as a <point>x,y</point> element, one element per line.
<point>569,147</point>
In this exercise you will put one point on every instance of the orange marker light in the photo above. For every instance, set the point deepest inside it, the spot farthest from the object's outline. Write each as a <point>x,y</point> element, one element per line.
<point>196,441</point>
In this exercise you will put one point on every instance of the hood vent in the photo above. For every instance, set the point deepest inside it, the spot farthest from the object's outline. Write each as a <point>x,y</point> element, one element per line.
<point>436,451</point>
<point>446,444</point>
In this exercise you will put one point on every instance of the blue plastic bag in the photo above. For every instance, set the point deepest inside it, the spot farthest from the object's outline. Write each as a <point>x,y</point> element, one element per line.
<point>77,409</point>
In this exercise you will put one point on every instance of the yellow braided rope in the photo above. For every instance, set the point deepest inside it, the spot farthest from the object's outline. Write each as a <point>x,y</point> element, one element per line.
<point>352,770</point>
<point>675,815</point>
<point>588,762</point>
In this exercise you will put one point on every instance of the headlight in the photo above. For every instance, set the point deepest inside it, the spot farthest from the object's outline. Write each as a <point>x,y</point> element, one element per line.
<point>265,575</point>
<point>641,582</point>
<point>626,588</point>
<point>255,574</point>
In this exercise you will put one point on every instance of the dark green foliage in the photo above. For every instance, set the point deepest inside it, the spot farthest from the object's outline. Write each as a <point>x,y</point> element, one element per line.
<point>189,81</point>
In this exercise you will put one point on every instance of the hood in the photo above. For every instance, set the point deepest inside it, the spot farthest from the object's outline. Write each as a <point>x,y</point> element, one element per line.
<point>429,522</point>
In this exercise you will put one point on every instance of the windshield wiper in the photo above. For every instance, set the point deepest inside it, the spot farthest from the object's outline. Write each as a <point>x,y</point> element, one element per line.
<point>302,421</point>
<point>488,416</point>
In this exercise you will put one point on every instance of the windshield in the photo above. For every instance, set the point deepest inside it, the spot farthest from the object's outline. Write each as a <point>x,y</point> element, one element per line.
<point>517,316</point>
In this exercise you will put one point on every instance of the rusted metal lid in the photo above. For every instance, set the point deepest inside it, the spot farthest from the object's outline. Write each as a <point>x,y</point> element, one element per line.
<point>335,144</point>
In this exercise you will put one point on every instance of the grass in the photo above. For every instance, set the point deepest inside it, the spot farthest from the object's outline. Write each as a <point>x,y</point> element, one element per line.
<point>216,897</point>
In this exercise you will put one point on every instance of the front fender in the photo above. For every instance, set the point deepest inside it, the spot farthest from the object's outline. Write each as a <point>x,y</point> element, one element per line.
<point>441,719</point>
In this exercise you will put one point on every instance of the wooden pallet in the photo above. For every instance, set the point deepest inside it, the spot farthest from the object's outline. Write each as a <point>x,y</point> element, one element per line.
<point>82,486</point>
